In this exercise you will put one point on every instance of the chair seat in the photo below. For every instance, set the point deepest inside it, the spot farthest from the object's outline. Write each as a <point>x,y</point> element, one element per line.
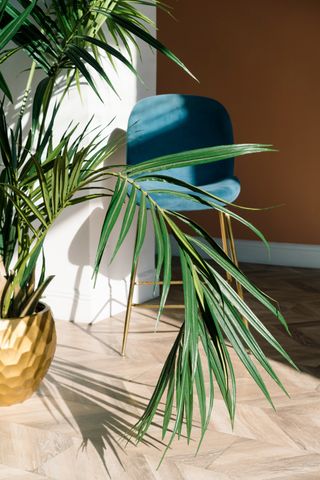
<point>227,189</point>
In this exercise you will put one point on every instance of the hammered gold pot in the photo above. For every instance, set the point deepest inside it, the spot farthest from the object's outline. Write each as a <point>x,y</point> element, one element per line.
<point>27,346</point>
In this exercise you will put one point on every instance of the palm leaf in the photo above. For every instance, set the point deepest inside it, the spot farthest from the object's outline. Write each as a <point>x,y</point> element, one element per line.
<point>127,221</point>
<point>71,53</point>
<point>148,39</point>
<point>166,374</point>
<point>195,157</point>
<point>4,87</point>
<point>31,265</point>
<point>203,197</point>
<point>238,347</point>
<point>110,220</point>
<point>217,254</point>
<point>167,261</point>
<point>190,348</point>
<point>35,297</point>
<point>141,228</point>
<point>78,52</point>
<point>110,50</point>
<point>38,101</point>
<point>8,32</point>
<point>159,242</point>
<point>253,320</point>
<point>44,189</point>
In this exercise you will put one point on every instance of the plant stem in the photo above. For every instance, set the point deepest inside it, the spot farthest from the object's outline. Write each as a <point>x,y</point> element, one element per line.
<point>27,90</point>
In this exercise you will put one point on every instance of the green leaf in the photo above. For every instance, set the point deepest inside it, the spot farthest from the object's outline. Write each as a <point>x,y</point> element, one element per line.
<point>86,198</point>
<point>3,5</point>
<point>127,221</point>
<point>73,56</point>
<point>8,53</point>
<point>43,269</point>
<point>31,265</point>
<point>149,39</point>
<point>141,228</point>
<point>169,405</point>
<point>206,342</point>
<point>159,242</point>
<point>4,87</point>
<point>37,213</point>
<point>191,311</point>
<point>195,157</point>
<point>9,31</point>
<point>185,244</point>
<point>109,49</point>
<point>78,52</point>
<point>253,320</point>
<point>201,393</point>
<point>216,354</point>
<point>44,189</point>
<point>203,198</point>
<point>238,347</point>
<point>37,101</point>
<point>167,260</point>
<point>217,254</point>
<point>110,220</point>
<point>190,340</point>
<point>236,323</point>
<point>166,374</point>
<point>35,298</point>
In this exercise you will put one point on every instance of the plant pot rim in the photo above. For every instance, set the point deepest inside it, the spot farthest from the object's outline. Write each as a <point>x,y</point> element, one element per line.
<point>43,307</point>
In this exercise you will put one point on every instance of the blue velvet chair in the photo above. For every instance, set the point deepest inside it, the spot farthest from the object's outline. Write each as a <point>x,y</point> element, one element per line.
<point>165,124</point>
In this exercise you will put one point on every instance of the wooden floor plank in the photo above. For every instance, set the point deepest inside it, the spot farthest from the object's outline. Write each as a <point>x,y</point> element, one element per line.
<point>73,428</point>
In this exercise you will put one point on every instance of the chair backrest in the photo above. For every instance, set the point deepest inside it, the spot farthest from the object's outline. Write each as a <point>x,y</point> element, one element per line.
<point>165,124</point>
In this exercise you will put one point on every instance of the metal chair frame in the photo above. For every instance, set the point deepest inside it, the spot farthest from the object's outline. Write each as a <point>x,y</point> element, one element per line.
<point>229,248</point>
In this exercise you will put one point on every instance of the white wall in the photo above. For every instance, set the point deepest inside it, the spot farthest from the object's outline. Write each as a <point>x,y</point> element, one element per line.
<point>71,244</point>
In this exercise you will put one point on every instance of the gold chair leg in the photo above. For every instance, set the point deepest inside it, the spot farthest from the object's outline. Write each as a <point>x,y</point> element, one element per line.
<point>234,258</point>
<point>128,311</point>
<point>228,246</point>
<point>224,239</point>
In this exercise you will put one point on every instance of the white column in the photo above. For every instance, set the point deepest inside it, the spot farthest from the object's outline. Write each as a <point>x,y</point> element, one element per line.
<point>71,244</point>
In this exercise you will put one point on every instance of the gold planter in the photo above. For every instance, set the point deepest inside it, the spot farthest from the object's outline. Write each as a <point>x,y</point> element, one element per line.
<point>27,346</point>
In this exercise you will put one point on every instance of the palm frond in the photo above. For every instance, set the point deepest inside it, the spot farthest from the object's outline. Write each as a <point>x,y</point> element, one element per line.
<point>11,27</point>
<point>214,311</point>
<point>67,41</point>
<point>200,156</point>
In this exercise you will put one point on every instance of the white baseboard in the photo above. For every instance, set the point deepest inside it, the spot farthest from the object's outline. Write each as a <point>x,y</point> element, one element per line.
<point>281,253</point>
<point>286,254</point>
<point>94,305</point>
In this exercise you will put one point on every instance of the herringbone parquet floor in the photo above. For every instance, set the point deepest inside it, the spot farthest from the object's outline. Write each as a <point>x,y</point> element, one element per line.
<point>73,427</point>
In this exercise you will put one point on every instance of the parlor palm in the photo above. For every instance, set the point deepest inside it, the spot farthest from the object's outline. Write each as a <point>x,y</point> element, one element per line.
<point>40,179</point>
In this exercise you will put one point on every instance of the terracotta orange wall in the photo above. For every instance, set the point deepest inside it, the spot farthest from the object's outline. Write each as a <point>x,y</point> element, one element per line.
<point>261,59</point>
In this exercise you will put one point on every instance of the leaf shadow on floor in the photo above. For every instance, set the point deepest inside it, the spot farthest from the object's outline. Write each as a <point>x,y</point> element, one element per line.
<point>98,406</point>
